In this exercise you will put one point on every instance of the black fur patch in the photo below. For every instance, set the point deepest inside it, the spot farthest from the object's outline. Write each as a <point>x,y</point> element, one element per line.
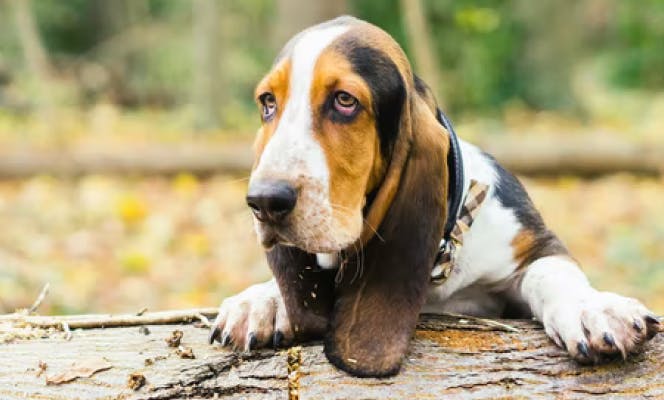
<point>511,194</point>
<point>386,84</point>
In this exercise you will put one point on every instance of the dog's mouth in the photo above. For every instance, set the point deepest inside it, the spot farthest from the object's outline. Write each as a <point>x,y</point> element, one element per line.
<point>272,237</point>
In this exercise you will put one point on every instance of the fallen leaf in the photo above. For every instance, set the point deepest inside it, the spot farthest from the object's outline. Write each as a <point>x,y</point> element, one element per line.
<point>175,338</point>
<point>79,369</point>
<point>136,380</point>
<point>41,368</point>
<point>185,352</point>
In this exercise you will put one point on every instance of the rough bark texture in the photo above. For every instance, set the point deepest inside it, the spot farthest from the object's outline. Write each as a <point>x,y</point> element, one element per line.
<point>534,157</point>
<point>448,358</point>
<point>417,30</point>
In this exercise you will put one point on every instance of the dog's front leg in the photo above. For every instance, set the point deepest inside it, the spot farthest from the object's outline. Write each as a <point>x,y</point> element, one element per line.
<point>588,323</point>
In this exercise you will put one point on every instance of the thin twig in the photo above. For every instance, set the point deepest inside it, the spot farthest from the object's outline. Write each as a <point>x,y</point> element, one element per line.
<point>204,321</point>
<point>107,321</point>
<point>67,330</point>
<point>40,298</point>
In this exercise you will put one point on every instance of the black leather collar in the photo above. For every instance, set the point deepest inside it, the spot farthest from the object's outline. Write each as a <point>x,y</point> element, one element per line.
<point>456,176</point>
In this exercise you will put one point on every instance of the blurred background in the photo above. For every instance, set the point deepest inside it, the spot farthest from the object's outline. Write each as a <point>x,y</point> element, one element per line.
<point>125,132</point>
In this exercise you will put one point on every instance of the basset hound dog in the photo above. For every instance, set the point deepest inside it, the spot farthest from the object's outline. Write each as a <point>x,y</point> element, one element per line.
<point>371,211</point>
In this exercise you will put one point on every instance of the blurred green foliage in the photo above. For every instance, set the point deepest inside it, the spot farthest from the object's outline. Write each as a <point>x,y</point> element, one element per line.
<point>491,53</point>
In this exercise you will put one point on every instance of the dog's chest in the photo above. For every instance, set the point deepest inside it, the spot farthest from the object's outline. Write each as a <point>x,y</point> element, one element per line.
<point>486,257</point>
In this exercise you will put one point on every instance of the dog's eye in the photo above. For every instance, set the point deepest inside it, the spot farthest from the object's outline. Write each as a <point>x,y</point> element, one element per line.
<point>345,103</point>
<point>269,103</point>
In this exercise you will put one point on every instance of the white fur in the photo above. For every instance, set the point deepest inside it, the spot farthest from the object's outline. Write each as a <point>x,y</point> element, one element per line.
<point>550,280</point>
<point>327,260</point>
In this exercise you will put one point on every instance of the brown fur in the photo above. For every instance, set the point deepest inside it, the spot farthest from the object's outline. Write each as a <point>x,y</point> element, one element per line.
<point>529,245</point>
<point>277,82</point>
<point>351,149</point>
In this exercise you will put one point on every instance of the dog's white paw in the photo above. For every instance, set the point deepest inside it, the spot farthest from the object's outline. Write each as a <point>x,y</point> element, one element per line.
<point>599,325</point>
<point>253,318</point>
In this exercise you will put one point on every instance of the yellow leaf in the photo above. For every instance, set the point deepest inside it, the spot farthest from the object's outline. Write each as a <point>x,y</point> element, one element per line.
<point>185,184</point>
<point>135,262</point>
<point>131,209</point>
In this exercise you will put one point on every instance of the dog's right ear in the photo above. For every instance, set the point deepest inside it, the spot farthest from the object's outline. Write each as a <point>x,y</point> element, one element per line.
<point>308,290</point>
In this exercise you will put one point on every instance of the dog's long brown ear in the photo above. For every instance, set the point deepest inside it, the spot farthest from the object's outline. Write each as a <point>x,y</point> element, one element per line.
<point>374,316</point>
<point>308,291</point>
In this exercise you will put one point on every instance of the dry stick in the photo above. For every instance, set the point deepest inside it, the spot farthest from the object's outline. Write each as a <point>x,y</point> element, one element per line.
<point>40,298</point>
<point>203,315</point>
<point>107,321</point>
<point>204,320</point>
<point>68,334</point>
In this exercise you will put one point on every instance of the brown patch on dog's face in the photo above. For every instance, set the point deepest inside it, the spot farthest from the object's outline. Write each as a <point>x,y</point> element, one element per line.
<point>351,143</point>
<point>276,83</point>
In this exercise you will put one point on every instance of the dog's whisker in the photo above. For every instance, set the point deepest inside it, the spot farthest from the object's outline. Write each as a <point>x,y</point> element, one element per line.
<point>373,229</point>
<point>236,180</point>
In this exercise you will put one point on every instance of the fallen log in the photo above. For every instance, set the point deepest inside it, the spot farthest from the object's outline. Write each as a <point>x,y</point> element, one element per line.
<point>452,357</point>
<point>586,156</point>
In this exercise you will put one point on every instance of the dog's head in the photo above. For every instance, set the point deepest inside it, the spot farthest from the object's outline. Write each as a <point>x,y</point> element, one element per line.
<point>349,146</point>
<point>331,113</point>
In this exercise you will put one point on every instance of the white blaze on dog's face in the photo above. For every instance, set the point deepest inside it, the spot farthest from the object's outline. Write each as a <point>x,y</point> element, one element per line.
<point>318,152</point>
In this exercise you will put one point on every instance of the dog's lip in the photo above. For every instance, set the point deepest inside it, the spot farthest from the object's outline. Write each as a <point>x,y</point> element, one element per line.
<point>272,238</point>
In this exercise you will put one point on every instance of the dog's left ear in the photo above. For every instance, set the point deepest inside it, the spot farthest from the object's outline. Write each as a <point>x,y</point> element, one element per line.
<point>377,305</point>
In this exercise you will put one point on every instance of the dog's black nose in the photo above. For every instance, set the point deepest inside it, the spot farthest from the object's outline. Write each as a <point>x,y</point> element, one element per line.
<point>271,201</point>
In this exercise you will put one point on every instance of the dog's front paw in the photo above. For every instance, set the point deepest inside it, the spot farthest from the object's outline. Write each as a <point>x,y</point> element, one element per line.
<point>600,325</point>
<point>253,318</point>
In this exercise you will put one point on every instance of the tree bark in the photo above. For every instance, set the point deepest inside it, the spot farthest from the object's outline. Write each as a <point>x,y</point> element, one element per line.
<point>34,51</point>
<point>208,50</point>
<point>36,57</point>
<point>419,43</point>
<point>449,357</point>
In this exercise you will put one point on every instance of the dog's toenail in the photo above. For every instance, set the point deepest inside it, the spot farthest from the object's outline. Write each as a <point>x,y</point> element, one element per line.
<point>252,341</point>
<point>214,334</point>
<point>608,339</point>
<point>277,338</point>
<point>638,326</point>
<point>583,349</point>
